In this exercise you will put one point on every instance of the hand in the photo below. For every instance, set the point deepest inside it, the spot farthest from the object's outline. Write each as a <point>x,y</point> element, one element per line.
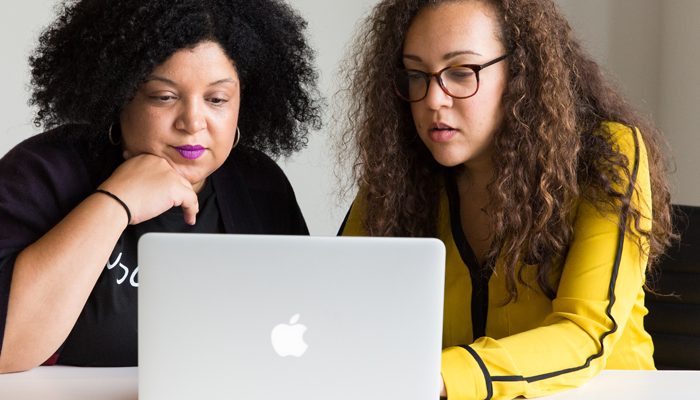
<point>443,390</point>
<point>149,186</point>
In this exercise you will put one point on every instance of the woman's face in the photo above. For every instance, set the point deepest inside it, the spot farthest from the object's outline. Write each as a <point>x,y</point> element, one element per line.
<point>186,112</point>
<point>457,131</point>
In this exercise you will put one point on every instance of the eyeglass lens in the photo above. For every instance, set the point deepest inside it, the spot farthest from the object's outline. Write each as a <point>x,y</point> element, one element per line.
<point>458,81</point>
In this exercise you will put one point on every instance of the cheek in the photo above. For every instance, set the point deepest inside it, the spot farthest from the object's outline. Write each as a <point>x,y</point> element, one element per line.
<point>495,113</point>
<point>228,121</point>
<point>141,126</point>
<point>419,117</point>
<point>485,111</point>
<point>222,127</point>
<point>494,100</point>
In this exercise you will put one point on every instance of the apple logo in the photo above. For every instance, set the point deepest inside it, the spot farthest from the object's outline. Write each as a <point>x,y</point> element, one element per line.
<point>288,339</point>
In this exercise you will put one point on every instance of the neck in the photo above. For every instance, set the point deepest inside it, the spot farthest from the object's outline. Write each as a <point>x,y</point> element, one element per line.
<point>475,175</point>
<point>197,187</point>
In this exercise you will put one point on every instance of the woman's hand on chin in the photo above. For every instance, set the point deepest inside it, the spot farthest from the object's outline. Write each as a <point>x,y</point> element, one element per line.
<point>149,186</point>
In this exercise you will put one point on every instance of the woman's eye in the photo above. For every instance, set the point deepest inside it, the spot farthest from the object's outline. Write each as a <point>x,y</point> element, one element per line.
<point>415,76</point>
<point>163,98</point>
<point>217,101</point>
<point>460,73</point>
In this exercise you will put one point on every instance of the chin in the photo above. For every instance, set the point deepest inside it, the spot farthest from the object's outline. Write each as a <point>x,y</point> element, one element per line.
<point>193,178</point>
<point>448,160</point>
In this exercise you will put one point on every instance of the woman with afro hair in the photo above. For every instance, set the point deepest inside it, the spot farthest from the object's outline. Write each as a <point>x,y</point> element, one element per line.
<point>485,124</point>
<point>159,115</point>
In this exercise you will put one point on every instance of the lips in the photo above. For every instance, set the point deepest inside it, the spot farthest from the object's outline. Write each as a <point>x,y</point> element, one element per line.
<point>441,133</point>
<point>190,152</point>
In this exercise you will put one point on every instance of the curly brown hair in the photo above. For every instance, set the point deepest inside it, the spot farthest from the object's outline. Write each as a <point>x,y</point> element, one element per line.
<point>552,147</point>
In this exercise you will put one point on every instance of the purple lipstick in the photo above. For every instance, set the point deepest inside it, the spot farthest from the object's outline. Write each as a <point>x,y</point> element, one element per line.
<point>190,152</point>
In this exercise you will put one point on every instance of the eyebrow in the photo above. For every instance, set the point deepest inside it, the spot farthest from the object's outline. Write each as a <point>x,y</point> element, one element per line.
<point>173,83</point>
<point>446,57</point>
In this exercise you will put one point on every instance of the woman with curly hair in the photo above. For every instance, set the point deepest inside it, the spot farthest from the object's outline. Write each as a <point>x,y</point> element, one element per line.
<point>159,115</point>
<point>485,124</point>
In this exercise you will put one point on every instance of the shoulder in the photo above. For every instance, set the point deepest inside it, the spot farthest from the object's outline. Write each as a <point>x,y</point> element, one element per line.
<point>629,176</point>
<point>51,165</point>
<point>353,224</point>
<point>43,178</point>
<point>626,140</point>
<point>58,145</point>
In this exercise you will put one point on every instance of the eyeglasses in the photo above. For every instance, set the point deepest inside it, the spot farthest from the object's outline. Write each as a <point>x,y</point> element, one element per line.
<point>457,81</point>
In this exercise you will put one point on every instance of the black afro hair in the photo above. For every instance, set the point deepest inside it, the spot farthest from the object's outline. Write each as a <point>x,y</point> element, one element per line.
<point>91,60</point>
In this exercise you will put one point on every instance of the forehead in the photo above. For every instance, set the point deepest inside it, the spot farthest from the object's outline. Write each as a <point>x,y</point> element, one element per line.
<point>454,26</point>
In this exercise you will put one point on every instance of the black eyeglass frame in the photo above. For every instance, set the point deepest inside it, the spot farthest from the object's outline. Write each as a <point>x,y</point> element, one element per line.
<point>428,77</point>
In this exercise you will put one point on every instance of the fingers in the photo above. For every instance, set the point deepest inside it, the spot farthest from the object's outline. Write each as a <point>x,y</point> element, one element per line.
<point>153,185</point>
<point>190,209</point>
<point>189,204</point>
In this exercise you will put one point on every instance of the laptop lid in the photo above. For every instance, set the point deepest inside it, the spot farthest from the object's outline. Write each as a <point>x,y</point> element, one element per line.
<point>265,317</point>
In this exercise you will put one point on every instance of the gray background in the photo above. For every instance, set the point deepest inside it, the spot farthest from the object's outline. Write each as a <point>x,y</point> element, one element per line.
<point>650,48</point>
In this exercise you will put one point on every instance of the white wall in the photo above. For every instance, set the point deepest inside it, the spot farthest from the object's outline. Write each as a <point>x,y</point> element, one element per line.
<point>312,171</point>
<point>650,47</point>
<point>20,25</point>
<point>679,94</point>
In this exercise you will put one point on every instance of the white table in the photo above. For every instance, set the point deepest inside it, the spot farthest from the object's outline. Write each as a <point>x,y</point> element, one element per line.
<point>71,383</point>
<point>638,385</point>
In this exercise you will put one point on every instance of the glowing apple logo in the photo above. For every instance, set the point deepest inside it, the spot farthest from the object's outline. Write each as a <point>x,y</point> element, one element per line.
<point>288,339</point>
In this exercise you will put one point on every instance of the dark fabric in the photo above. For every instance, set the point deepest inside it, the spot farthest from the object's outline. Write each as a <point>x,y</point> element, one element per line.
<point>43,178</point>
<point>480,275</point>
<point>674,304</point>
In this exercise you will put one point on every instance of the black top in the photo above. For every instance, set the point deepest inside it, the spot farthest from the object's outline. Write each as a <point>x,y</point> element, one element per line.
<point>43,178</point>
<point>479,274</point>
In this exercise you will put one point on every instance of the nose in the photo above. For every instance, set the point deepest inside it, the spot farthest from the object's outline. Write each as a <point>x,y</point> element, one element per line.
<point>191,118</point>
<point>436,97</point>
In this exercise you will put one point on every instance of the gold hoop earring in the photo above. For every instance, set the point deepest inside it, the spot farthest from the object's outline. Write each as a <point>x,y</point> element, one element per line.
<point>238,137</point>
<point>111,139</point>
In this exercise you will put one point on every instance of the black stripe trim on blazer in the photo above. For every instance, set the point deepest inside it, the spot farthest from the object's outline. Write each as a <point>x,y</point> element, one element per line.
<point>484,370</point>
<point>479,274</point>
<point>611,288</point>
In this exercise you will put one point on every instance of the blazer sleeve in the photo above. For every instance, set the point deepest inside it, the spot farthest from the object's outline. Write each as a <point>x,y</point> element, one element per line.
<point>603,274</point>
<point>40,182</point>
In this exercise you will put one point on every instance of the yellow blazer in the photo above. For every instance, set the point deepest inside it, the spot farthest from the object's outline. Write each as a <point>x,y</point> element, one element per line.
<point>536,346</point>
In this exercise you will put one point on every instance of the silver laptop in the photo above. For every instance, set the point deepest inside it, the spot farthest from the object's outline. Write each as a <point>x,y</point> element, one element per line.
<point>280,317</point>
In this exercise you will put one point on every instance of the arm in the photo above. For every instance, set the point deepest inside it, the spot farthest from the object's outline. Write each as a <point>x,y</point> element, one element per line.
<point>600,285</point>
<point>49,289</point>
<point>53,277</point>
